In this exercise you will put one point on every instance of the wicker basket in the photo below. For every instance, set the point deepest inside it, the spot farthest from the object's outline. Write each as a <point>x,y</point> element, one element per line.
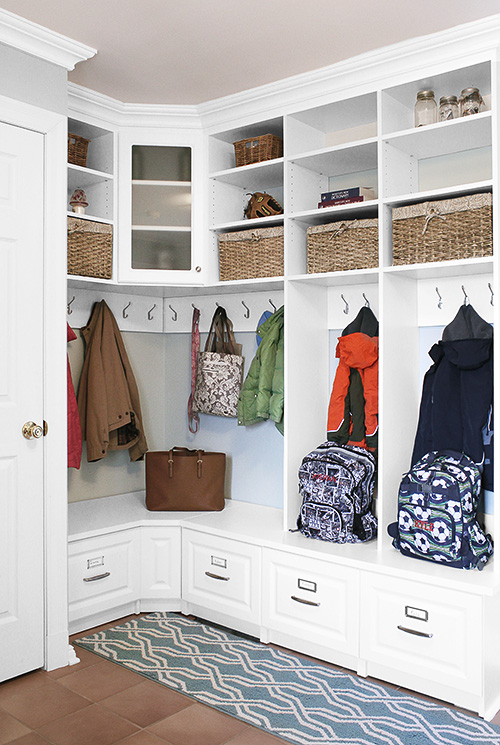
<point>257,149</point>
<point>248,254</point>
<point>77,150</point>
<point>459,228</point>
<point>341,246</point>
<point>90,248</point>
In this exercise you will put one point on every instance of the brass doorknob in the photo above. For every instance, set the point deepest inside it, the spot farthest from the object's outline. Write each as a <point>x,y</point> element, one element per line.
<point>31,430</point>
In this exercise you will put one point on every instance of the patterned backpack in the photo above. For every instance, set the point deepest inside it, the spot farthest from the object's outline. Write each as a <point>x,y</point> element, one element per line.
<point>437,512</point>
<point>336,483</point>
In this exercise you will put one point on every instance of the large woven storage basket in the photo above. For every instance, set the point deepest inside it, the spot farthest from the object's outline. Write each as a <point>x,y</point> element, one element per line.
<point>341,246</point>
<point>90,248</point>
<point>257,149</point>
<point>77,150</point>
<point>459,228</point>
<point>248,254</point>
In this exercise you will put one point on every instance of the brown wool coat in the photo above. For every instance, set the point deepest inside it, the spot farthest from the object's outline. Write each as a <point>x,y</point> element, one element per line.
<point>108,398</point>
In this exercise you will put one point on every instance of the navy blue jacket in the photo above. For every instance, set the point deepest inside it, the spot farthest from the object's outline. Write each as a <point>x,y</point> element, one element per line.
<point>457,392</point>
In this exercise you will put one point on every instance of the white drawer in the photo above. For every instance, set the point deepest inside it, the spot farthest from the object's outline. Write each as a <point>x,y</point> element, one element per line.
<point>311,600</point>
<point>221,574</point>
<point>425,631</point>
<point>104,572</point>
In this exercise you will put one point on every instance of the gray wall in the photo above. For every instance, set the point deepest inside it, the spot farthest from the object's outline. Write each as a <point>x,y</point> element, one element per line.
<point>32,80</point>
<point>162,367</point>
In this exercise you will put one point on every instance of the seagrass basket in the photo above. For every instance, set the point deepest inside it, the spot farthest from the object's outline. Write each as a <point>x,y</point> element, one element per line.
<point>459,228</point>
<point>248,254</point>
<point>77,150</point>
<point>342,246</point>
<point>257,149</point>
<point>90,248</point>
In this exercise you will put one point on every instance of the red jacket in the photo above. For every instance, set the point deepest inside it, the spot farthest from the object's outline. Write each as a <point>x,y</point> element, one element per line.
<point>74,429</point>
<point>353,409</point>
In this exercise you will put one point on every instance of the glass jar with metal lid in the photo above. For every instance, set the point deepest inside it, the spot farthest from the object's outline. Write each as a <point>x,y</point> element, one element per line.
<point>425,109</point>
<point>448,108</point>
<point>471,102</point>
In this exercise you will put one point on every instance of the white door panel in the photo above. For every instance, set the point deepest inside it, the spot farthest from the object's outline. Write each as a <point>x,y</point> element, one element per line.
<point>21,400</point>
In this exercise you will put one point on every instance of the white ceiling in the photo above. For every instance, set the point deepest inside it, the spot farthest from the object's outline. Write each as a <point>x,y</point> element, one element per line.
<point>191,51</point>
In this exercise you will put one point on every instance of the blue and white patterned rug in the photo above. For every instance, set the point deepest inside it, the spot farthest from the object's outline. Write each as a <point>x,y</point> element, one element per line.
<point>299,700</point>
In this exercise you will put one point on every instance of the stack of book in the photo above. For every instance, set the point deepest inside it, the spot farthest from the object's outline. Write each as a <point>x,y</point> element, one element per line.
<point>346,196</point>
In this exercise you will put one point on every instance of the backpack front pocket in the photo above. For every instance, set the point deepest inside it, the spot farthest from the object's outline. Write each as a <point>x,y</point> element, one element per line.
<point>427,530</point>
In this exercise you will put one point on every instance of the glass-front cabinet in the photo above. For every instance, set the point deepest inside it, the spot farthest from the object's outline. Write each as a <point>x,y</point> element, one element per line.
<point>158,225</point>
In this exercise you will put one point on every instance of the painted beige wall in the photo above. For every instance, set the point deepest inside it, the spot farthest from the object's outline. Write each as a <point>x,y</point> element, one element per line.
<point>115,474</point>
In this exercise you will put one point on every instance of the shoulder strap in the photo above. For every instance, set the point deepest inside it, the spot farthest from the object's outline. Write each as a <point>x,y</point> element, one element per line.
<point>193,416</point>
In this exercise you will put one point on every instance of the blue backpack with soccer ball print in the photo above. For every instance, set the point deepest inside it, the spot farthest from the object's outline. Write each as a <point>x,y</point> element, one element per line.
<point>437,512</point>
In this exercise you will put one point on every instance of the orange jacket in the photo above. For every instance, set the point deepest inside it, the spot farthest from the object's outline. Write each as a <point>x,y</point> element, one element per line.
<point>353,409</point>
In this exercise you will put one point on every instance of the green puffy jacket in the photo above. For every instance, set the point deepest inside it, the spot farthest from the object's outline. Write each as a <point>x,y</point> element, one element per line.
<point>261,395</point>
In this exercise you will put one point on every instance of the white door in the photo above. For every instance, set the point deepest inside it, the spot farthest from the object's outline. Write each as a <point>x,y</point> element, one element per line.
<point>21,400</point>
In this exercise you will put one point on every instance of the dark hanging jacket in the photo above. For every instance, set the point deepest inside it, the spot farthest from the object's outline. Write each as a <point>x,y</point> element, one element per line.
<point>457,393</point>
<point>353,407</point>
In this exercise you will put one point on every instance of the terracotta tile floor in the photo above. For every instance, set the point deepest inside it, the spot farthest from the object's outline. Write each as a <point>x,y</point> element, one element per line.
<point>96,702</point>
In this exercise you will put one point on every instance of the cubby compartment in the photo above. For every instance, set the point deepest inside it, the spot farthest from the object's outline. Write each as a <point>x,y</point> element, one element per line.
<point>316,312</point>
<point>340,168</point>
<point>448,155</point>
<point>221,144</point>
<point>231,190</point>
<point>398,103</point>
<point>336,123</point>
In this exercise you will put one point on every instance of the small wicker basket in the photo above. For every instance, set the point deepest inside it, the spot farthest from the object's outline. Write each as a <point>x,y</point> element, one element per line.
<point>77,150</point>
<point>248,254</point>
<point>257,149</point>
<point>90,248</point>
<point>342,246</point>
<point>459,228</point>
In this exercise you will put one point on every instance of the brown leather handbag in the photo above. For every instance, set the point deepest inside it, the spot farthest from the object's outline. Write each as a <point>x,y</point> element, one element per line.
<point>185,480</point>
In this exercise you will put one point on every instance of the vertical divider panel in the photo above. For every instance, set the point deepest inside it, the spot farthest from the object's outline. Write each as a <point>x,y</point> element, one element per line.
<point>306,382</point>
<point>495,112</point>
<point>399,390</point>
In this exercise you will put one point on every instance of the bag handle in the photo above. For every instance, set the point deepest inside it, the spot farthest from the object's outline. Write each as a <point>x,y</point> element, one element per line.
<point>221,337</point>
<point>193,416</point>
<point>199,461</point>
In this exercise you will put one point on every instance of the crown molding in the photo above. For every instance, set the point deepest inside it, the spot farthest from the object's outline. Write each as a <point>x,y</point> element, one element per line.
<point>41,42</point>
<point>349,77</point>
<point>91,103</point>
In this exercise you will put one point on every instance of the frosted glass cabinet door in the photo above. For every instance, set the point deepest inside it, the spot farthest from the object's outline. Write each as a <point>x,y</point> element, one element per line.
<point>161,207</point>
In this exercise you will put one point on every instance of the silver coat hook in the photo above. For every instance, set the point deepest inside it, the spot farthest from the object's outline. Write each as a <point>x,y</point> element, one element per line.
<point>247,309</point>
<point>346,309</point>
<point>466,299</point>
<point>150,312</point>
<point>367,302</point>
<point>492,293</point>
<point>272,305</point>
<point>69,305</point>
<point>174,312</point>
<point>440,303</point>
<point>125,315</point>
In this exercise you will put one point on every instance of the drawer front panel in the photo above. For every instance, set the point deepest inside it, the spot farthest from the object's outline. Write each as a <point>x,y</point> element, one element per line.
<point>104,569</point>
<point>427,631</point>
<point>221,574</point>
<point>313,600</point>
